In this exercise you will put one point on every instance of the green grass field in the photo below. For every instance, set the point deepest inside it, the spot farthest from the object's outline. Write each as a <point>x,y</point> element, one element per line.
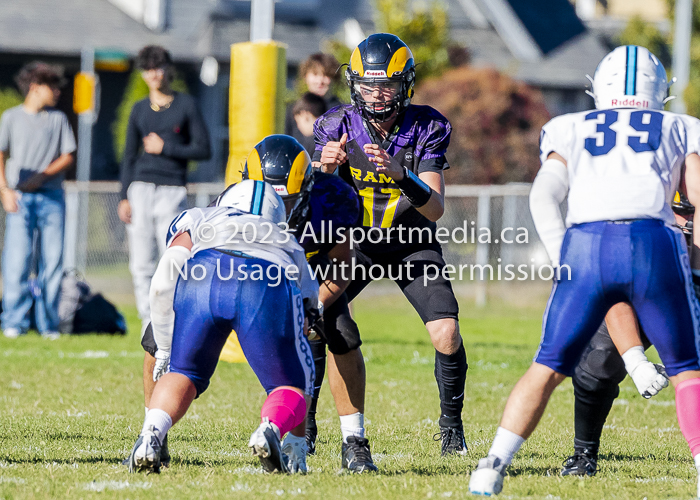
<point>72,408</point>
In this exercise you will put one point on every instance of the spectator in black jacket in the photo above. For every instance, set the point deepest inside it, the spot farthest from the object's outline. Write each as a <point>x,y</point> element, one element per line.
<point>165,132</point>
<point>305,111</point>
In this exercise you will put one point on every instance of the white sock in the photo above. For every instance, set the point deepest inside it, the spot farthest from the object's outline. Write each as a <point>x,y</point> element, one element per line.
<point>697,462</point>
<point>505,445</point>
<point>158,419</point>
<point>352,425</point>
<point>146,413</point>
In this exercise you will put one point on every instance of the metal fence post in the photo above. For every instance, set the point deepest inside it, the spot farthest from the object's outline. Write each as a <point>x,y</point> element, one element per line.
<point>483,220</point>
<point>202,196</point>
<point>71,228</point>
<point>86,120</point>
<point>509,218</point>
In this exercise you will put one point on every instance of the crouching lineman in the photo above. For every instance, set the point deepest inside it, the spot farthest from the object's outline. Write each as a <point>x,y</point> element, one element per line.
<point>620,166</point>
<point>321,207</point>
<point>597,377</point>
<point>227,283</point>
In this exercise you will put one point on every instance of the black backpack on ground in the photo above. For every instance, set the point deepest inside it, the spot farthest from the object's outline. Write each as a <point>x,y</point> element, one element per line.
<point>82,311</point>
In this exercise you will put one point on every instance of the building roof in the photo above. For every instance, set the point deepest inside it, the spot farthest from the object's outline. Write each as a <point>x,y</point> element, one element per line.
<point>197,28</point>
<point>564,67</point>
<point>63,28</point>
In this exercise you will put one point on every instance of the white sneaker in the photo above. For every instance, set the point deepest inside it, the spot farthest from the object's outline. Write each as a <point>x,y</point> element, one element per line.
<point>145,456</point>
<point>11,333</point>
<point>265,444</point>
<point>296,449</point>
<point>487,479</point>
<point>51,335</point>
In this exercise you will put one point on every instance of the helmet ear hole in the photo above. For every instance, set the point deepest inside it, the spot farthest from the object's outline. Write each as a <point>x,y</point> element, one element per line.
<point>255,197</point>
<point>283,163</point>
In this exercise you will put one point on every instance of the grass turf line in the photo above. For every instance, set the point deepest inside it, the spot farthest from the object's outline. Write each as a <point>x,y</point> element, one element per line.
<point>71,410</point>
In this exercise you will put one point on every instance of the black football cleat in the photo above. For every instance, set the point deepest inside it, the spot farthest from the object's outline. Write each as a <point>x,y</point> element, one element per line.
<point>356,456</point>
<point>451,436</point>
<point>581,463</point>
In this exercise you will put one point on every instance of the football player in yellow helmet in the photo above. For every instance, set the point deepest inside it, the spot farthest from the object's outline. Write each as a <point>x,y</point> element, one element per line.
<point>393,153</point>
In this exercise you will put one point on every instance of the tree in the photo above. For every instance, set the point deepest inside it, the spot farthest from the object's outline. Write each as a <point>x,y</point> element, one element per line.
<point>9,98</point>
<point>496,123</point>
<point>423,26</point>
<point>640,32</point>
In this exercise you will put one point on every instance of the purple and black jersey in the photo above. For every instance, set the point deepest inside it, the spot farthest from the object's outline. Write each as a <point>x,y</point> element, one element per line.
<point>418,141</point>
<point>333,206</point>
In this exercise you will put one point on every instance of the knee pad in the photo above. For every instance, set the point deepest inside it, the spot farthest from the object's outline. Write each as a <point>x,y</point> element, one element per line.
<point>340,330</point>
<point>343,336</point>
<point>601,366</point>
<point>587,386</point>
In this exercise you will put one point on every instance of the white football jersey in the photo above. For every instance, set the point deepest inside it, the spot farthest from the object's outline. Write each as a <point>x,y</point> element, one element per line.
<point>623,163</point>
<point>226,228</point>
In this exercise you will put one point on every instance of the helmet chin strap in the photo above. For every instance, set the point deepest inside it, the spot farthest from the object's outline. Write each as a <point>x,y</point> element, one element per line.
<point>670,97</point>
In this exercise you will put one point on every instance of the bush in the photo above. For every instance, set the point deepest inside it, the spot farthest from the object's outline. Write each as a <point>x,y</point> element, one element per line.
<point>644,34</point>
<point>9,98</point>
<point>423,26</point>
<point>496,125</point>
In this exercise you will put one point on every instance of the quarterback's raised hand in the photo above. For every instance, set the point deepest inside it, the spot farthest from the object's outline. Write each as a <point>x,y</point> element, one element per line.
<point>384,161</point>
<point>334,154</point>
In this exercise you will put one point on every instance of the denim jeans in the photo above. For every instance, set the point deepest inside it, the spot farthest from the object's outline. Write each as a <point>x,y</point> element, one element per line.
<point>41,213</point>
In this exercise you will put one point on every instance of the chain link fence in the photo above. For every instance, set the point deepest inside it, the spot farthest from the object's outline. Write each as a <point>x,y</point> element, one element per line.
<point>482,226</point>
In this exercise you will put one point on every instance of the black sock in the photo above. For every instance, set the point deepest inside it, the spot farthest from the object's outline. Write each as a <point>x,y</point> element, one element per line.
<point>591,409</point>
<point>451,377</point>
<point>318,351</point>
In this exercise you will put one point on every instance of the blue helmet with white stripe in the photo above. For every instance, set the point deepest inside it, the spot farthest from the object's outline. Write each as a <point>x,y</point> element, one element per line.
<point>630,77</point>
<point>254,197</point>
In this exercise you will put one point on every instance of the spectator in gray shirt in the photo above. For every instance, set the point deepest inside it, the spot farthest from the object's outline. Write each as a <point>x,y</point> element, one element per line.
<point>36,148</point>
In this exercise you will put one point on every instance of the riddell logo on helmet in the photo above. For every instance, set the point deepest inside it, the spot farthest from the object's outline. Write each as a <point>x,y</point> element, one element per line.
<point>630,102</point>
<point>375,72</point>
<point>281,190</point>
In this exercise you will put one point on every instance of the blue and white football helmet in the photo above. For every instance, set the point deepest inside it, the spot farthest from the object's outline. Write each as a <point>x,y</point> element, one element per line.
<point>630,77</point>
<point>255,197</point>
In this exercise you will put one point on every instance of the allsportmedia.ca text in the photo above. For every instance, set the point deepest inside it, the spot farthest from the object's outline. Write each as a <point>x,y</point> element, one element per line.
<point>467,233</point>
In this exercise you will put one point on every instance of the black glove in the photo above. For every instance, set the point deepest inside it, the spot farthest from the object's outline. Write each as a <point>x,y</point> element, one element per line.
<point>315,317</point>
<point>316,332</point>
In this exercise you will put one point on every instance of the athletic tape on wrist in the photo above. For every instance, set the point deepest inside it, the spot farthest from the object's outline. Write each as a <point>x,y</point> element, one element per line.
<point>415,190</point>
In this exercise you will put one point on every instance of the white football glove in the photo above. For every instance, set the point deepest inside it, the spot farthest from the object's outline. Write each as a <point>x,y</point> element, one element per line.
<point>649,378</point>
<point>162,365</point>
<point>295,449</point>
